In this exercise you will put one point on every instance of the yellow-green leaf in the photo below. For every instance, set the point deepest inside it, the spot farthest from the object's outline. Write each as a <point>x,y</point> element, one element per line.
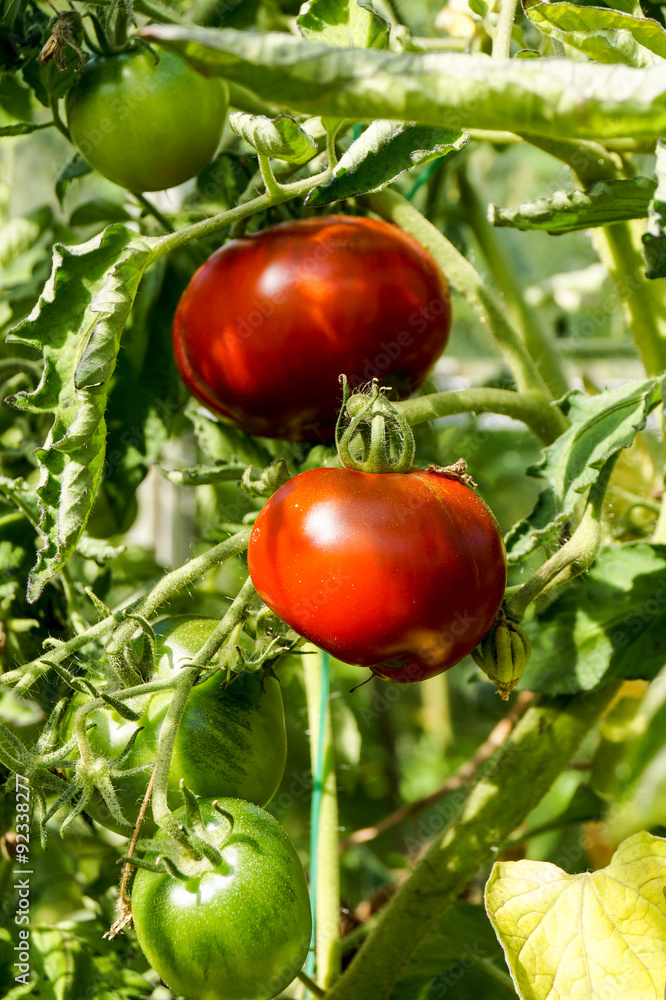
<point>585,937</point>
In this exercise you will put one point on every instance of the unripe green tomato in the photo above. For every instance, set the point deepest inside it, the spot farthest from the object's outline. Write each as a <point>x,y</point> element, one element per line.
<point>240,931</point>
<point>143,124</point>
<point>231,741</point>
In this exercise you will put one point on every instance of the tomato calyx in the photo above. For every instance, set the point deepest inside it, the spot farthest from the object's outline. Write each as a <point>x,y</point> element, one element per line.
<point>503,654</point>
<point>371,436</point>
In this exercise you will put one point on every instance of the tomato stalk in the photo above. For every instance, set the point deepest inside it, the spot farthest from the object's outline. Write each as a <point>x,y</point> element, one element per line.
<point>161,813</point>
<point>528,407</point>
<point>468,283</point>
<point>527,320</point>
<point>324,850</point>
<point>507,790</point>
<point>502,37</point>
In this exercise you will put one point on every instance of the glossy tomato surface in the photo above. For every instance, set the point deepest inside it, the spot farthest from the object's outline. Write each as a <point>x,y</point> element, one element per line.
<point>238,932</point>
<point>143,124</point>
<point>269,323</point>
<point>400,573</point>
<point>231,740</point>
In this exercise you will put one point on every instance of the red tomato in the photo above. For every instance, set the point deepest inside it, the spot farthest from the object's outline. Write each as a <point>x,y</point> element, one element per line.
<point>400,573</point>
<point>268,324</point>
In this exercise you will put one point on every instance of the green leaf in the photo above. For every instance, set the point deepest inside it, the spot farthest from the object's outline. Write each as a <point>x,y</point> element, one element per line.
<point>609,623</point>
<point>654,239</point>
<point>21,233</point>
<point>23,128</point>
<point>344,23</point>
<point>76,167</point>
<point>567,211</point>
<point>385,151</point>
<point>205,475</point>
<point>586,936</point>
<point>551,97</point>
<point>600,426</point>
<point>281,137</point>
<point>76,325</point>
<point>607,36</point>
<point>224,443</point>
<point>14,99</point>
<point>98,210</point>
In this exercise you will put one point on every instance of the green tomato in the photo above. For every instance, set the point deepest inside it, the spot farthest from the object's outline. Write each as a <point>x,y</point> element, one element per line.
<point>231,740</point>
<point>143,124</point>
<point>239,931</point>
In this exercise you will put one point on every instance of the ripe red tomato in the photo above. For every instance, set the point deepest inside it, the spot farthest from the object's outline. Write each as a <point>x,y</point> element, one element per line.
<point>400,573</point>
<point>268,324</point>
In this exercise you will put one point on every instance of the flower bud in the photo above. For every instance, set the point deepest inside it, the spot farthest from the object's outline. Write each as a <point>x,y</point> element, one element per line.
<point>504,654</point>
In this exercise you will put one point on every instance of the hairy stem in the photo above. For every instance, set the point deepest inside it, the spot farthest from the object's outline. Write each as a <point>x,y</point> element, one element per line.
<point>169,730</point>
<point>465,280</point>
<point>502,39</point>
<point>507,790</point>
<point>170,585</point>
<point>527,320</point>
<point>529,407</point>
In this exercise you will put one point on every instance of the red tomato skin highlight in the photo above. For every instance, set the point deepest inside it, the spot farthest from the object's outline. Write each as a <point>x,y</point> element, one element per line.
<point>268,324</point>
<point>403,573</point>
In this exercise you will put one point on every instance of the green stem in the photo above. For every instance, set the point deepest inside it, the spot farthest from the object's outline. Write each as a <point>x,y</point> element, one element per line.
<point>57,120</point>
<point>169,730</point>
<point>268,177</point>
<point>153,210</point>
<point>159,12</point>
<point>529,407</point>
<point>502,38</point>
<point>515,780</point>
<point>327,915</point>
<point>286,192</point>
<point>643,302</point>
<point>167,587</point>
<point>311,985</point>
<point>467,281</point>
<point>527,320</point>
<point>576,555</point>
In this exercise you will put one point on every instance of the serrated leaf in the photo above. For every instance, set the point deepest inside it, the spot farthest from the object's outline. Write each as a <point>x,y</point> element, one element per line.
<point>586,936</point>
<point>76,325</point>
<point>204,475</point>
<point>76,167</point>
<point>21,233</point>
<point>385,151</point>
<point>607,36</point>
<point>600,426</point>
<point>23,128</point>
<point>654,239</point>
<point>281,137</point>
<point>609,623</point>
<point>552,97</point>
<point>568,211</point>
<point>344,23</point>
<point>98,210</point>
<point>224,443</point>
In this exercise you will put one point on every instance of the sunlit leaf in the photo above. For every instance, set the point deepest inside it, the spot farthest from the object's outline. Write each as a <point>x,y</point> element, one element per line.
<point>344,23</point>
<point>587,936</point>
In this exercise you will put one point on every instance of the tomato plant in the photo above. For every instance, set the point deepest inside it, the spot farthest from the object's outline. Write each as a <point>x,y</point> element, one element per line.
<point>235,930</point>
<point>231,740</point>
<point>176,372</point>
<point>146,121</point>
<point>401,573</point>
<point>357,294</point>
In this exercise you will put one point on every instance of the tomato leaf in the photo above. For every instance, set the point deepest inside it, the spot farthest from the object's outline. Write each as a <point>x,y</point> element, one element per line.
<point>551,97</point>
<point>609,623</point>
<point>384,152</point>
<point>600,426</point>
<point>21,233</point>
<point>344,23</point>
<point>654,239</point>
<point>607,36</point>
<point>23,128</point>
<point>76,167</point>
<point>590,935</point>
<point>281,137</point>
<point>568,211</point>
<point>76,325</point>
